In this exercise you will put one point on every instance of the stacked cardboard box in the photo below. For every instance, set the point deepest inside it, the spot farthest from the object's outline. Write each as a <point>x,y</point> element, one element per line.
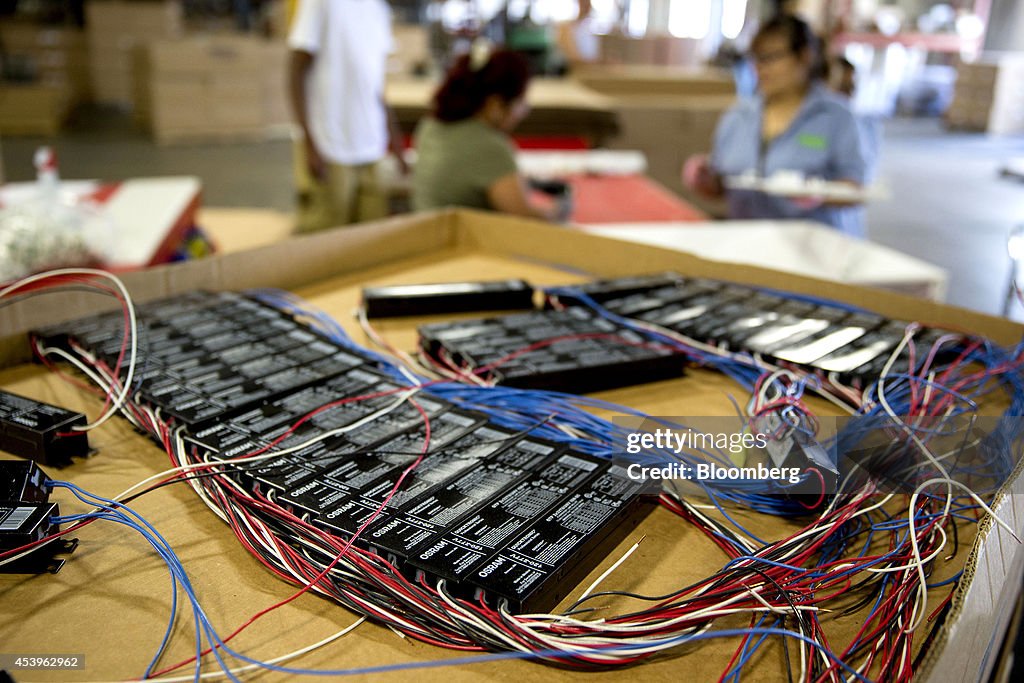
<point>277,108</point>
<point>665,50</point>
<point>49,71</point>
<point>624,80</point>
<point>277,16</point>
<point>673,51</point>
<point>115,29</point>
<point>211,88</point>
<point>32,109</point>
<point>55,55</point>
<point>989,96</point>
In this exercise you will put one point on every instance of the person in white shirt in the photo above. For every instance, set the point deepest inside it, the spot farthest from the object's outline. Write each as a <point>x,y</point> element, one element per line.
<point>339,51</point>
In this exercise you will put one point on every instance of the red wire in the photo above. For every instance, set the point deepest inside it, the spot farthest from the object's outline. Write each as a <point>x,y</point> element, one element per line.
<point>347,545</point>
<point>821,497</point>
<point>897,602</point>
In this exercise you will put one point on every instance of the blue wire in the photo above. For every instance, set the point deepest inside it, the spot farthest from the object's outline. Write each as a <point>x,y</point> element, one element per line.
<point>953,579</point>
<point>747,652</point>
<point>117,512</point>
<point>626,647</point>
<point>124,520</point>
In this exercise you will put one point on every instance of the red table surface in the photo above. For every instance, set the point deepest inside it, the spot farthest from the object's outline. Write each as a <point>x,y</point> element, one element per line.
<point>627,199</point>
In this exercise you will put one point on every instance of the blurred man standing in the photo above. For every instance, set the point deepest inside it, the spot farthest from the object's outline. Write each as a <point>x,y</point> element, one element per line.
<point>338,64</point>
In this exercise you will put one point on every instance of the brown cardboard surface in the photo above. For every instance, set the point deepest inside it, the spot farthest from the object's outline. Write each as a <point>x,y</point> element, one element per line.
<point>160,17</point>
<point>234,86</point>
<point>114,581</point>
<point>206,54</point>
<point>673,51</point>
<point>645,79</point>
<point>34,109</point>
<point>114,29</point>
<point>989,95</point>
<point>24,36</point>
<point>234,230</point>
<point>58,55</point>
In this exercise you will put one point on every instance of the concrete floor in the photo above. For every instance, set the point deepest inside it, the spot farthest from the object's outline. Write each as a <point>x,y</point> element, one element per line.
<point>103,143</point>
<point>947,204</point>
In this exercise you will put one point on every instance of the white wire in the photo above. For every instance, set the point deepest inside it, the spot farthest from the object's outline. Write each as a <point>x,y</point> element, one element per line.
<point>610,569</point>
<point>918,616</point>
<point>181,469</point>
<point>262,535</point>
<point>115,406</point>
<point>408,361</point>
<point>252,667</point>
<point>920,603</point>
<point>271,454</point>
<point>916,563</point>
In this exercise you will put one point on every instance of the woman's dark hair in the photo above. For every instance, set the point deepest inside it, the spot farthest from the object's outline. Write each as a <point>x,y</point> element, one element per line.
<point>799,36</point>
<point>465,90</point>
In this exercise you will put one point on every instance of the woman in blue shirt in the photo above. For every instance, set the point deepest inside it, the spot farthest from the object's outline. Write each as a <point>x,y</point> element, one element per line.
<point>794,125</point>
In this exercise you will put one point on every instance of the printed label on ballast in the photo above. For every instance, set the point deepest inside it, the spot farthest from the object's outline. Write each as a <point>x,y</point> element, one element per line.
<point>11,519</point>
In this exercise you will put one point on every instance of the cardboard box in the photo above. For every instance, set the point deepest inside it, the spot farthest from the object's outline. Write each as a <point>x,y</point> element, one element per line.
<point>240,112</point>
<point>989,95</point>
<point>277,103</point>
<point>647,121</point>
<point>177,105</point>
<point>648,80</point>
<point>277,17</point>
<point>673,51</point>
<point>113,87</point>
<point>24,37</point>
<point>165,17</point>
<point>233,230</point>
<point>57,56</point>
<point>32,110</point>
<point>114,579</point>
<point>217,54</point>
<point>660,49</point>
<point>115,29</point>
<point>640,50</point>
<point>240,81</point>
<point>611,48</point>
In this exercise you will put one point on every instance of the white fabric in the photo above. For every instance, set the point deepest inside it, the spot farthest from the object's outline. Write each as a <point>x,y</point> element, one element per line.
<point>350,41</point>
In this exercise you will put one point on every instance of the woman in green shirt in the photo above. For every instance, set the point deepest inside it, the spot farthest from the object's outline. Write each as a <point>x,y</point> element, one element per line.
<point>464,156</point>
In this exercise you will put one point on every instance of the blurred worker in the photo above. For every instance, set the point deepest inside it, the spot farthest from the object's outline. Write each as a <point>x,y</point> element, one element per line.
<point>577,40</point>
<point>842,77</point>
<point>464,156</point>
<point>338,63</point>
<point>794,125</point>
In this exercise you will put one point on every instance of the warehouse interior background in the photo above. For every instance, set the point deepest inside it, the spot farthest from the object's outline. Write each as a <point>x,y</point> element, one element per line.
<point>117,89</point>
<point>178,112</point>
